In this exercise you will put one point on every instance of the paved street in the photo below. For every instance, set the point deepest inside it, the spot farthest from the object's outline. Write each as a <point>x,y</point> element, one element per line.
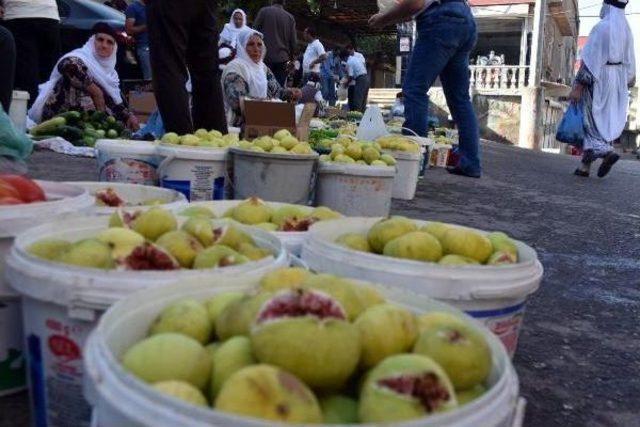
<point>579,353</point>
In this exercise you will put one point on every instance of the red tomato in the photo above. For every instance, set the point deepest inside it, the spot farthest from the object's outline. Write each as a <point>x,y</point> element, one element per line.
<point>7,190</point>
<point>27,189</point>
<point>7,200</point>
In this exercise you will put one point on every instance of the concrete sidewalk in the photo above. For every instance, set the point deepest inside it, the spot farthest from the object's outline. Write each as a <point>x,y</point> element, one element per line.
<point>579,353</point>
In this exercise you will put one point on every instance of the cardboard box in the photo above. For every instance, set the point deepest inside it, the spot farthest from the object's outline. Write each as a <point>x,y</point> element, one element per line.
<point>140,97</point>
<point>266,118</point>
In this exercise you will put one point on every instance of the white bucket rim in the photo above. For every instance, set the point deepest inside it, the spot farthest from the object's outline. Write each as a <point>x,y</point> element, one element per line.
<point>100,358</point>
<point>357,170</point>
<point>275,156</point>
<point>402,155</point>
<point>176,199</point>
<point>518,280</point>
<point>20,95</point>
<point>126,146</point>
<point>192,152</point>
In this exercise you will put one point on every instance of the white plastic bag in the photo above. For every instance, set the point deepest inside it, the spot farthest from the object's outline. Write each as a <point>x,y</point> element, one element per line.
<point>384,5</point>
<point>372,125</point>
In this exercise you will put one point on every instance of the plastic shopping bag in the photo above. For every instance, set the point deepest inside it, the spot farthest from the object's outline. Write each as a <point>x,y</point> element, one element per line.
<point>14,144</point>
<point>571,128</point>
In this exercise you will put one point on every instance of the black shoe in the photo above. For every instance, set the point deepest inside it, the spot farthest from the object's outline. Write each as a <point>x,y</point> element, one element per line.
<point>607,163</point>
<point>580,172</point>
<point>457,170</point>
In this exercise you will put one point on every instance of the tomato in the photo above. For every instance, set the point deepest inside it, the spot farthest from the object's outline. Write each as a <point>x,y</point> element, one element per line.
<point>8,200</point>
<point>27,189</point>
<point>7,190</point>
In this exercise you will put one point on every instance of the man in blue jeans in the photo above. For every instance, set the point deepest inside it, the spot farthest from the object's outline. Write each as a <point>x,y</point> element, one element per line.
<point>136,26</point>
<point>446,34</point>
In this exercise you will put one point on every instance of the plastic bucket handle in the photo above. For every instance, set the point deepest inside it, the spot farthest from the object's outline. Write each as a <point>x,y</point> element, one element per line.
<point>164,164</point>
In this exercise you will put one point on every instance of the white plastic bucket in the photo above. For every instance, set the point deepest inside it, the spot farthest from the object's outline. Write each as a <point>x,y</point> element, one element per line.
<point>355,190</point>
<point>198,173</point>
<point>292,240</point>
<point>495,295</point>
<point>133,162</point>
<point>119,399</point>
<point>62,200</point>
<point>134,196</point>
<point>406,179</point>
<point>61,305</point>
<point>18,109</point>
<point>287,178</point>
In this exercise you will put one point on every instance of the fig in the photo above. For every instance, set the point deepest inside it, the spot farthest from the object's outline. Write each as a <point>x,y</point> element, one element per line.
<point>352,297</point>
<point>122,218</point>
<point>231,236</point>
<point>88,253</point>
<point>370,154</point>
<point>212,347</point>
<point>469,243</point>
<point>200,228</point>
<point>269,393</point>
<point>501,242</point>
<point>339,409</point>
<point>354,241</point>
<point>405,387</point>
<point>198,211</point>
<point>238,316</point>
<point>181,245</point>
<point>279,150</point>
<point>267,226</point>
<point>253,253</point>
<point>386,230</point>
<point>461,351</point>
<point>181,390</point>
<point>436,319</point>
<point>343,158</point>
<point>49,249</point>
<point>122,241</point>
<point>149,257</point>
<point>379,163</point>
<point>301,148</point>
<point>466,396</point>
<point>389,160</point>
<point>457,260</point>
<point>284,278</point>
<point>284,213</point>
<point>322,213</point>
<point>218,256</point>
<point>292,224</point>
<point>385,330</point>
<point>502,258</point>
<point>336,150</point>
<point>169,356</point>
<point>188,317</point>
<point>289,142</point>
<point>230,356</point>
<point>154,223</point>
<point>170,138</point>
<point>252,211</point>
<point>354,150</point>
<point>216,304</point>
<point>306,332</point>
<point>108,197</point>
<point>436,229</point>
<point>417,245</point>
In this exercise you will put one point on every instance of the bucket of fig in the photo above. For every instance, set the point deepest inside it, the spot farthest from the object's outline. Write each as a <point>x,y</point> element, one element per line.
<point>69,272</point>
<point>299,348</point>
<point>488,275</point>
<point>38,201</point>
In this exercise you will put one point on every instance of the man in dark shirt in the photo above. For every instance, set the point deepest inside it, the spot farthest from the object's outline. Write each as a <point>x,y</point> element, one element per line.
<point>279,29</point>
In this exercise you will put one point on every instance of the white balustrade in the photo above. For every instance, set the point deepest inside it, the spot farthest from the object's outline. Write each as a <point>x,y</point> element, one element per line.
<point>498,78</point>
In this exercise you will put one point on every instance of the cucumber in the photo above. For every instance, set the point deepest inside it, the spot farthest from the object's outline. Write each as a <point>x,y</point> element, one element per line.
<point>48,126</point>
<point>70,133</point>
<point>72,117</point>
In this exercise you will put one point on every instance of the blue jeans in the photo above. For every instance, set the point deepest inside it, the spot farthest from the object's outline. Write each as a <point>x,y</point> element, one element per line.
<point>446,35</point>
<point>329,90</point>
<point>144,59</point>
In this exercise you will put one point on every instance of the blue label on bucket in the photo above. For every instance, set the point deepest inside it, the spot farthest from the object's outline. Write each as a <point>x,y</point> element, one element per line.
<point>505,322</point>
<point>215,191</point>
<point>36,374</point>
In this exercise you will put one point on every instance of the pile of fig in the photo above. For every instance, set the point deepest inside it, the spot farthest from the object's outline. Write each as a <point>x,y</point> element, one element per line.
<point>282,142</point>
<point>255,212</point>
<point>152,240</point>
<point>306,348</point>
<point>110,198</point>
<point>436,242</point>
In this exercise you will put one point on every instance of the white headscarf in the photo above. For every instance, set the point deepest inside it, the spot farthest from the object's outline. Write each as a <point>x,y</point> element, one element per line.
<point>230,32</point>
<point>101,70</point>
<point>610,42</point>
<point>255,74</point>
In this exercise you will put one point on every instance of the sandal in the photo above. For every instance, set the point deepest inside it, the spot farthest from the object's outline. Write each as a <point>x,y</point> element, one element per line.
<point>607,163</point>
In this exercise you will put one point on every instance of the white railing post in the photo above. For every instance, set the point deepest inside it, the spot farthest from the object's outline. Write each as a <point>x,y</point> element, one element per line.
<point>498,77</point>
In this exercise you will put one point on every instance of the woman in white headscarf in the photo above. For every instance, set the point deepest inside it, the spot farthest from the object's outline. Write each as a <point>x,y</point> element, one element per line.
<point>85,79</point>
<point>602,86</point>
<point>248,77</point>
<point>237,24</point>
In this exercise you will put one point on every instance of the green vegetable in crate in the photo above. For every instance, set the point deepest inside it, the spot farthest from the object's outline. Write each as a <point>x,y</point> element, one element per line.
<point>72,117</point>
<point>48,126</point>
<point>70,133</point>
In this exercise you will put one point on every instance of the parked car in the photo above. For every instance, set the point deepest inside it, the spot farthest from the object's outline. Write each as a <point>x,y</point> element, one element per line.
<point>77,18</point>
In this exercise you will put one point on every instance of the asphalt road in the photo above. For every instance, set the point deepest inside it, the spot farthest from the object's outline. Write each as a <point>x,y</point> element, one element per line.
<point>579,353</point>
